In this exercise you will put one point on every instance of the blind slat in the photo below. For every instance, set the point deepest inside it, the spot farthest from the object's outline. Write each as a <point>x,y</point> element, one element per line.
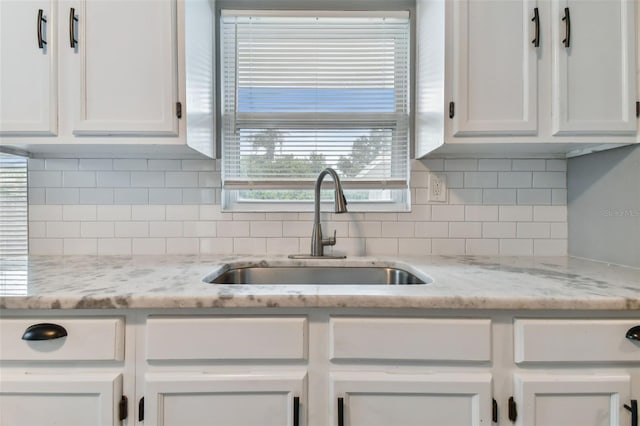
<point>13,205</point>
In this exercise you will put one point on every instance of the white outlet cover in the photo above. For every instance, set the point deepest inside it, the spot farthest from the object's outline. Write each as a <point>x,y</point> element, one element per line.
<point>437,180</point>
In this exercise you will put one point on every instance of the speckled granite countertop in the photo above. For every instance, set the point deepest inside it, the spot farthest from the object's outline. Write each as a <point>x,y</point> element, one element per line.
<point>460,282</point>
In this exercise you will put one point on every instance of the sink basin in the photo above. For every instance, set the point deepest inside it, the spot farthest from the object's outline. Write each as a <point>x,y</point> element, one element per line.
<point>316,275</point>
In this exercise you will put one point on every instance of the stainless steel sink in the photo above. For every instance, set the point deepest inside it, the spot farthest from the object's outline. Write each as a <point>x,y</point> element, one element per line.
<point>316,275</point>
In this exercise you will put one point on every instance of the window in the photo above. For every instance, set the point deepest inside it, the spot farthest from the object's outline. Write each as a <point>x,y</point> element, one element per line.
<point>305,90</point>
<point>13,206</point>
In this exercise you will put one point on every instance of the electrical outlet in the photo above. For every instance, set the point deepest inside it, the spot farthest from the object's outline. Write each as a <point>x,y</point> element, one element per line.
<point>437,187</point>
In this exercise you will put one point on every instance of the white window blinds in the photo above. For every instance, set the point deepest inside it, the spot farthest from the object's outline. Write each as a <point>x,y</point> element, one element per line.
<point>304,90</point>
<point>13,206</point>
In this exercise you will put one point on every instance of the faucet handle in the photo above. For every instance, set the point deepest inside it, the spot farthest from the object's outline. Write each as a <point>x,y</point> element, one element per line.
<point>331,241</point>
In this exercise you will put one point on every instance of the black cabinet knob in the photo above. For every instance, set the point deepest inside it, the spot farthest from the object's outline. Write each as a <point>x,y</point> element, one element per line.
<point>633,333</point>
<point>44,331</point>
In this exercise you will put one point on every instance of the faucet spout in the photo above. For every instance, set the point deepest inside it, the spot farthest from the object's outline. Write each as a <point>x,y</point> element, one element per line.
<point>340,204</point>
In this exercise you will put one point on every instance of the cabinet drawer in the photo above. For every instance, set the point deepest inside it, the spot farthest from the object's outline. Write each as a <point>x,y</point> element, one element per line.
<point>87,339</point>
<point>418,339</point>
<point>540,340</point>
<point>207,338</point>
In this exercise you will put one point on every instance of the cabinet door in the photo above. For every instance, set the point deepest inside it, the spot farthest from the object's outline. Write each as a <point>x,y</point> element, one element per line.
<point>411,400</point>
<point>594,71</point>
<point>127,58</point>
<point>495,68</point>
<point>572,400</point>
<point>192,399</point>
<point>28,89</point>
<point>56,399</point>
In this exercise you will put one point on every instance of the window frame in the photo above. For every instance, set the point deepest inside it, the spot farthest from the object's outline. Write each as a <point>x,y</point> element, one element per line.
<point>401,198</point>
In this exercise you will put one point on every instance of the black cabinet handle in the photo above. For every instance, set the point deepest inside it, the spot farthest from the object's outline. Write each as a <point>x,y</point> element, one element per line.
<point>296,411</point>
<point>634,411</point>
<point>41,21</point>
<point>536,20</point>
<point>72,28</point>
<point>44,331</point>
<point>340,411</point>
<point>567,27</point>
<point>633,333</point>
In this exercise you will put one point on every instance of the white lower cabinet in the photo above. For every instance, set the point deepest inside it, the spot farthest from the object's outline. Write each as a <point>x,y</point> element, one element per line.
<point>197,399</point>
<point>381,399</point>
<point>60,399</point>
<point>572,399</point>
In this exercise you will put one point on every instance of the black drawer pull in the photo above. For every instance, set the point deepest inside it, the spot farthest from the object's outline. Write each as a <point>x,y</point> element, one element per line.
<point>340,411</point>
<point>634,411</point>
<point>44,331</point>
<point>633,333</point>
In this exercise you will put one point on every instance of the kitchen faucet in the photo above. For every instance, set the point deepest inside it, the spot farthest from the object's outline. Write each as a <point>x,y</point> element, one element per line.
<point>317,241</point>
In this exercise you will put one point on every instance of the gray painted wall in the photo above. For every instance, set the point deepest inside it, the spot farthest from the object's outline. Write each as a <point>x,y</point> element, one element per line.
<point>604,206</point>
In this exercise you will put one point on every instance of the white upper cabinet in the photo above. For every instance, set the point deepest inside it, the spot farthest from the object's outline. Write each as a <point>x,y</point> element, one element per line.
<point>127,61</point>
<point>28,67</point>
<point>594,67</point>
<point>110,77</point>
<point>499,78</point>
<point>495,68</point>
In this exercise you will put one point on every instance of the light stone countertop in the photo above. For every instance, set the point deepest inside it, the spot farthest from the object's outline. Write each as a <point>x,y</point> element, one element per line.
<point>460,282</point>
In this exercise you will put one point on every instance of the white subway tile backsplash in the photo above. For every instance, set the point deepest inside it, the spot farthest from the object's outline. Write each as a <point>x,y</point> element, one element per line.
<point>111,179</point>
<point>398,229</point>
<point>550,179</point>
<point>465,165</point>
<point>183,212</point>
<point>265,228</point>
<point>37,196</point>
<point>465,230</point>
<point>129,164</point>
<point>480,180</point>
<point>35,164</point>
<point>517,247</point>
<point>44,179</point>
<point>448,246</point>
<point>165,196</point>
<point>97,229</point>
<point>46,246</point>
<point>447,213</point>
<point>131,229</point>
<point>250,246</point>
<point>114,212</point>
<point>533,230</point>
<point>165,165</point>
<point>148,212</point>
<point>62,195</point>
<point>137,206</point>
<point>79,213</point>
<point>61,164</point>
<point>414,246</point>
<point>480,213</point>
<point>499,230</point>
<point>80,246</point>
<point>514,179</point>
<point>499,196</point>
<point>529,165</point>
<point>515,213</point>
<point>492,164</point>
<point>103,196</point>
<point>550,213</point>
<point>477,247</point>
<point>114,246</point>
<point>165,229</point>
<point>76,179</point>
<point>465,196</point>
<point>63,229</point>
<point>96,164</point>
<point>534,196</point>
<point>432,229</point>
<point>148,246</point>
<point>181,179</point>
<point>131,196</point>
